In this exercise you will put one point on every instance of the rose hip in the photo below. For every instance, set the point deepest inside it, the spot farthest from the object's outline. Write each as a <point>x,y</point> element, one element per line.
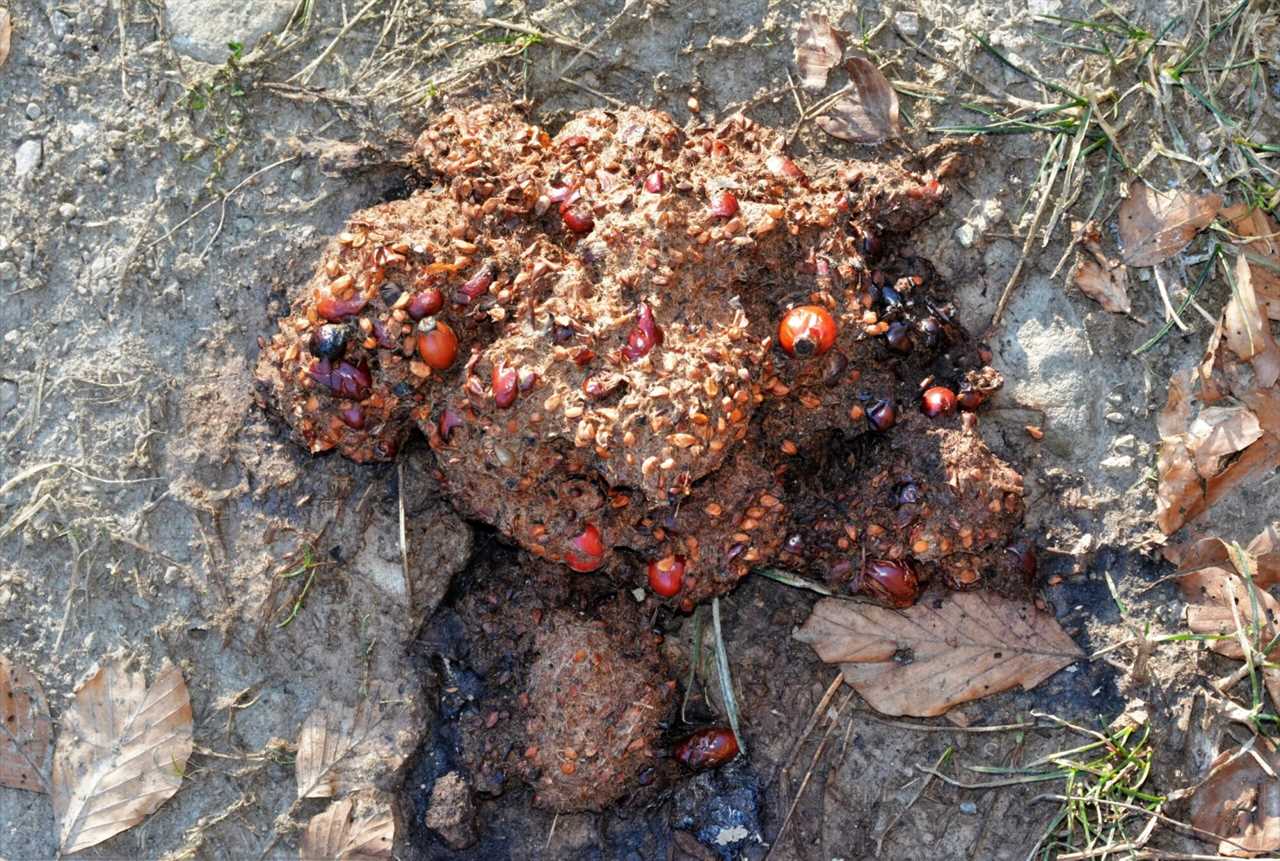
<point>644,336</point>
<point>587,550</point>
<point>707,748</point>
<point>666,575</point>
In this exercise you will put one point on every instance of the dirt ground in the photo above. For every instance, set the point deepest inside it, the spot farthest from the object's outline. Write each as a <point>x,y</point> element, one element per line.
<point>149,505</point>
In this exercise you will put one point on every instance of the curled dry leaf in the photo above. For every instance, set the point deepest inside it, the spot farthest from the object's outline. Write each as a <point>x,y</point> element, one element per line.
<point>1220,427</point>
<point>1155,225</point>
<point>6,34</point>
<point>923,660</point>
<point>121,752</point>
<point>1102,279</point>
<point>340,834</point>
<point>1263,250</point>
<point>869,114</point>
<point>1240,801</point>
<point>1265,550</point>
<point>1248,331</point>
<point>342,747</point>
<point>819,49</point>
<point>26,732</point>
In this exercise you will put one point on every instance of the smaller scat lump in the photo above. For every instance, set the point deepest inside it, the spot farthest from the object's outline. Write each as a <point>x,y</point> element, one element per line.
<point>598,706</point>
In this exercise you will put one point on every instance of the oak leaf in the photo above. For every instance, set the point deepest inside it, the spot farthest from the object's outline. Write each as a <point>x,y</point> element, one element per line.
<point>923,660</point>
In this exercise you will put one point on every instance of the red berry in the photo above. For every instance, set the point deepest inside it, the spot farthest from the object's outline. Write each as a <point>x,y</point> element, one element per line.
<point>506,385</point>
<point>437,345</point>
<point>577,217</point>
<point>882,415</point>
<point>724,204</point>
<point>656,182</point>
<point>574,141</point>
<point>644,336</point>
<point>587,553</point>
<point>343,379</point>
<point>477,285</point>
<point>449,422</point>
<point>892,583</point>
<point>425,303</point>
<point>334,310</point>
<point>707,748</point>
<point>808,330</point>
<point>938,401</point>
<point>969,399</point>
<point>666,575</point>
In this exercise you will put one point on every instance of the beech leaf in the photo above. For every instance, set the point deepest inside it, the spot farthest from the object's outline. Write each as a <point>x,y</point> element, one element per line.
<point>869,114</point>
<point>1102,279</point>
<point>336,834</point>
<point>1247,329</point>
<point>6,35</point>
<point>1263,248</point>
<point>1155,225</point>
<point>818,50</point>
<point>121,752</point>
<point>26,732</point>
<point>929,657</point>
<point>1240,801</point>
<point>1217,433</point>
<point>338,742</point>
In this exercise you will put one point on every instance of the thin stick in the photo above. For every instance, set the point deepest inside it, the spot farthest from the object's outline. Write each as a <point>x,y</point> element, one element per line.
<point>564,70</point>
<point>1007,293</point>
<point>808,727</point>
<point>184,222</point>
<point>726,680</point>
<point>404,543</point>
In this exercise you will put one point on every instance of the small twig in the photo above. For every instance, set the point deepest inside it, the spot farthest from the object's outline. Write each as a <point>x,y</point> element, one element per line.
<point>1007,293</point>
<point>617,103</point>
<point>900,812</point>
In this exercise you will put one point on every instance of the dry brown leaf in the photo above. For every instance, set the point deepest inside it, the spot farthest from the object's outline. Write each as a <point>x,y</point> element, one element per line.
<point>6,34</point>
<point>121,752</point>
<point>1264,250</point>
<point>341,748</point>
<point>1219,432</point>
<point>1241,802</point>
<point>819,49</point>
<point>26,732</point>
<point>870,113</point>
<point>1155,225</point>
<point>1247,329</point>
<point>336,834</point>
<point>1179,488</point>
<point>968,645</point>
<point>1102,279</point>
<point>1265,549</point>
<point>1210,593</point>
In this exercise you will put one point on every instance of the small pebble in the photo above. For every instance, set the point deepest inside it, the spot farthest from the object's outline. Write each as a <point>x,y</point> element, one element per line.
<point>67,210</point>
<point>27,158</point>
<point>908,23</point>
<point>968,808</point>
<point>34,111</point>
<point>1115,418</point>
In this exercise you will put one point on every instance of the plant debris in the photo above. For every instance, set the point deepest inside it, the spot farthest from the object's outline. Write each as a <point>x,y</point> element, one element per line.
<point>1155,225</point>
<point>925,659</point>
<point>26,732</point>
<point>6,34</point>
<point>870,113</point>
<point>1102,279</point>
<point>336,833</point>
<point>819,49</point>
<point>1220,426</point>
<point>341,747</point>
<point>121,753</point>
<point>1240,800</point>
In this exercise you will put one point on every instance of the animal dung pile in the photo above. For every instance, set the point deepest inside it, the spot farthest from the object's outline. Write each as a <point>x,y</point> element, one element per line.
<point>660,357</point>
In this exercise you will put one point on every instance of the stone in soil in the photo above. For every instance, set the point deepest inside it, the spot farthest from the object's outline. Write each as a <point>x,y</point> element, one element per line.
<point>203,29</point>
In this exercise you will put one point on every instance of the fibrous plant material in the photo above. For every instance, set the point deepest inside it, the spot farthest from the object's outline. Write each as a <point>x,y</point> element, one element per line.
<point>612,375</point>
